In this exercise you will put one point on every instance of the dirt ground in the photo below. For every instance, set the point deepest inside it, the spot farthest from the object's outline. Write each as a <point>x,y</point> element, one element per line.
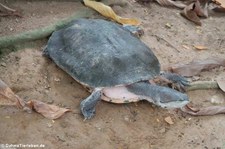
<point>135,125</point>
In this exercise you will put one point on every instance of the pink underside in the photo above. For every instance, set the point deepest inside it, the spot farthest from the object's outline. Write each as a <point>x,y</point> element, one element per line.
<point>118,95</point>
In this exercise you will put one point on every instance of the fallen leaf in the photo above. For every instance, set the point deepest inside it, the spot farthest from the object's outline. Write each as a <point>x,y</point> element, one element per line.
<point>171,3</point>
<point>196,66</point>
<point>190,14</point>
<point>206,111</point>
<point>169,120</point>
<point>217,6</point>
<point>7,97</point>
<point>201,9</point>
<point>109,13</point>
<point>221,83</point>
<point>48,111</point>
<point>221,2</point>
<point>200,47</point>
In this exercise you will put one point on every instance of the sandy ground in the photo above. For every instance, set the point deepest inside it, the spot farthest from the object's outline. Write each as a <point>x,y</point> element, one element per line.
<point>136,125</point>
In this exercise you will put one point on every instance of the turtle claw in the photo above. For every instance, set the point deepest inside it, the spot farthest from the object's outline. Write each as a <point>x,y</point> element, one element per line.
<point>178,82</point>
<point>87,106</point>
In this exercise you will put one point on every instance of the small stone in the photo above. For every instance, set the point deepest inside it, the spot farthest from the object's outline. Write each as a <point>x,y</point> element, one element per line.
<point>50,101</point>
<point>63,125</point>
<point>3,64</point>
<point>49,125</point>
<point>195,78</point>
<point>168,25</point>
<point>126,118</point>
<point>57,79</point>
<point>216,100</point>
<point>7,117</point>
<point>169,120</point>
<point>163,130</point>
<point>61,138</point>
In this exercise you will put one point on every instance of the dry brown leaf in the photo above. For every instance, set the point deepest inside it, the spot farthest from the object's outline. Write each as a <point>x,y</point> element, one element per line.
<point>221,84</point>
<point>109,13</point>
<point>169,120</point>
<point>7,97</point>
<point>221,2</point>
<point>190,14</point>
<point>171,3</point>
<point>201,9</point>
<point>48,111</point>
<point>200,47</point>
<point>212,110</point>
<point>196,66</point>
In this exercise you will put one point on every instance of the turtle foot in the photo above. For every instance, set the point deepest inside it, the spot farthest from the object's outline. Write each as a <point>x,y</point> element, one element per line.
<point>87,106</point>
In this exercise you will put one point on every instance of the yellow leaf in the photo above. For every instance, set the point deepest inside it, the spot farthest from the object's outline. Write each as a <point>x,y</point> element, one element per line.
<point>109,13</point>
<point>199,47</point>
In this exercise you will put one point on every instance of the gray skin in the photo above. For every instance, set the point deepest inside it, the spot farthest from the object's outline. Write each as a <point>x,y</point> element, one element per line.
<point>101,54</point>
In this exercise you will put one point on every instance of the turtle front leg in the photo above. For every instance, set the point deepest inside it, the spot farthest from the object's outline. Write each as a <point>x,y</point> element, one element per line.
<point>173,80</point>
<point>87,106</point>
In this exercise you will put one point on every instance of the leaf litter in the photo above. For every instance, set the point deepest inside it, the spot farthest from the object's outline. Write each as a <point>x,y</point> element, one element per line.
<point>193,10</point>
<point>196,66</point>
<point>8,98</point>
<point>108,12</point>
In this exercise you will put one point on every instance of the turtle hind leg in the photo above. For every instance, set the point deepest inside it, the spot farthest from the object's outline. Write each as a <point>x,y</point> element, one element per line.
<point>87,106</point>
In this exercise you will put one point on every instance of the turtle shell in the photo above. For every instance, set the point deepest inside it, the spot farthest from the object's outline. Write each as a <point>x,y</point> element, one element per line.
<point>99,53</point>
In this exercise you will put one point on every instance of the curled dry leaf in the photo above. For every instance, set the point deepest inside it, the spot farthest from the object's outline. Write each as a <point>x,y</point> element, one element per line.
<point>212,110</point>
<point>200,47</point>
<point>109,13</point>
<point>201,8</point>
<point>190,14</point>
<point>196,66</point>
<point>48,111</point>
<point>221,2</point>
<point>193,11</point>
<point>7,97</point>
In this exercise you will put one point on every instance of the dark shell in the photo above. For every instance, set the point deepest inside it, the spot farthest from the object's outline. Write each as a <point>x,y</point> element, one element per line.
<point>98,53</point>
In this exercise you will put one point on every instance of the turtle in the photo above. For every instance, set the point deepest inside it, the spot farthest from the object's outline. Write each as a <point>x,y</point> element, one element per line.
<point>112,64</point>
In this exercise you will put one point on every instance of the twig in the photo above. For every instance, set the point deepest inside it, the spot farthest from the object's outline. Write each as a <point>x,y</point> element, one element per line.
<point>160,38</point>
<point>7,8</point>
<point>9,12</point>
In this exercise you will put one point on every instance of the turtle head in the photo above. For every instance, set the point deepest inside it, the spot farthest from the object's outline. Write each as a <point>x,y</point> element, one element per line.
<point>169,98</point>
